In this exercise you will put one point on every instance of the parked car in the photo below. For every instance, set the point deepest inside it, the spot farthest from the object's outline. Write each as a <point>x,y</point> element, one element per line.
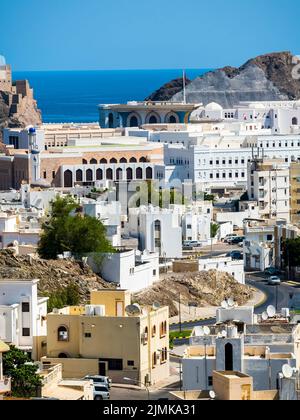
<point>190,245</point>
<point>235,255</point>
<point>101,392</point>
<point>97,379</point>
<point>272,271</point>
<point>274,281</point>
<point>238,240</point>
<point>125,236</point>
<point>229,238</point>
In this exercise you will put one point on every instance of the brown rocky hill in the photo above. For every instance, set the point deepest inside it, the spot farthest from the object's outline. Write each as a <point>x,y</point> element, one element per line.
<point>53,275</point>
<point>265,78</point>
<point>168,90</point>
<point>205,288</point>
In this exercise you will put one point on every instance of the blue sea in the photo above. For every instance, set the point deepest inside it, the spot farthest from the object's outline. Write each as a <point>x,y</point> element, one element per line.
<point>73,96</point>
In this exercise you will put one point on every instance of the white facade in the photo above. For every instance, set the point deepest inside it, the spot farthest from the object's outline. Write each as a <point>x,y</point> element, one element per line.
<point>224,265</point>
<point>129,269</point>
<point>109,213</point>
<point>13,228</point>
<point>269,185</point>
<point>22,315</point>
<point>158,230</point>
<point>237,218</point>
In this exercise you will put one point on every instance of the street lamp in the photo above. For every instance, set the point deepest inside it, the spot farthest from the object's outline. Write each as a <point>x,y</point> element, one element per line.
<point>140,383</point>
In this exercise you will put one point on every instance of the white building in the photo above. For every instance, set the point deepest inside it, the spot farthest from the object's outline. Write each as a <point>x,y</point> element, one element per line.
<point>23,316</point>
<point>129,269</point>
<point>224,265</point>
<point>17,228</point>
<point>240,342</point>
<point>110,214</point>
<point>268,184</point>
<point>158,230</point>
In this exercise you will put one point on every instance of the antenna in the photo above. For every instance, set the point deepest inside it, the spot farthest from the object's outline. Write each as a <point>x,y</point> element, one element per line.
<point>184,87</point>
<point>271,311</point>
<point>287,371</point>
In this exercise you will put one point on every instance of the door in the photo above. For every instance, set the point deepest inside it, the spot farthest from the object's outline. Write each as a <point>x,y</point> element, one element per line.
<point>102,368</point>
<point>120,309</point>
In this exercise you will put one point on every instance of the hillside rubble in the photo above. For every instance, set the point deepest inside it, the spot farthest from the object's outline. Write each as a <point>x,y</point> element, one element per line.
<point>53,275</point>
<point>204,288</point>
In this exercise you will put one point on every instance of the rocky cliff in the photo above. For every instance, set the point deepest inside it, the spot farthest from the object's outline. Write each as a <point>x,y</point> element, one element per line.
<point>53,275</point>
<point>168,90</point>
<point>18,109</point>
<point>267,77</point>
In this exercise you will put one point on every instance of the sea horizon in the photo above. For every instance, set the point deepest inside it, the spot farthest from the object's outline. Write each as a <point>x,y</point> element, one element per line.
<point>71,96</point>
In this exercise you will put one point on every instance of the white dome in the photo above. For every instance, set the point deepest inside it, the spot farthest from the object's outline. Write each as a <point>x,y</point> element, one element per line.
<point>213,106</point>
<point>2,60</point>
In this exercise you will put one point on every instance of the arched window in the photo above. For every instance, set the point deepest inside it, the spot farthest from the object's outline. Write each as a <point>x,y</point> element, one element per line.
<point>99,174</point>
<point>68,179</point>
<point>154,331</point>
<point>133,160</point>
<point>63,333</point>
<point>129,174</point>
<point>119,174</point>
<point>103,162</point>
<point>111,121</point>
<point>139,173</point>
<point>79,175</point>
<point>109,174</point>
<point>153,119</point>
<point>113,160</point>
<point>63,356</point>
<point>145,336</point>
<point>143,159</point>
<point>123,160</point>
<point>93,162</point>
<point>133,122</point>
<point>149,173</point>
<point>154,358</point>
<point>172,119</point>
<point>89,175</point>
<point>84,162</point>
<point>228,357</point>
<point>295,121</point>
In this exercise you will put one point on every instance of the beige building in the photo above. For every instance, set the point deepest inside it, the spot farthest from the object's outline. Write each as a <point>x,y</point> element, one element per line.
<point>110,337</point>
<point>295,192</point>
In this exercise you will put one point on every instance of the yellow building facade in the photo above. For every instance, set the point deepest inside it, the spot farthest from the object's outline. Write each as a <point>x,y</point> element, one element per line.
<point>118,342</point>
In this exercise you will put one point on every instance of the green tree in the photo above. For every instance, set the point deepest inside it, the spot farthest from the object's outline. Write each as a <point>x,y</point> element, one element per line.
<point>68,296</point>
<point>23,372</point>
<point>291,253</point>
<point>67,230</point>
<point>214,228</point>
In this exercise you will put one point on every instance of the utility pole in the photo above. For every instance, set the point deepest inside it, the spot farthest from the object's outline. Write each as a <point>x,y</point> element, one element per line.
<point>184,87</point>
<point>180,323</point>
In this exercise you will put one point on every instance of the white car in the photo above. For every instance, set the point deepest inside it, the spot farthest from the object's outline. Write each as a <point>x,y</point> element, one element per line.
<point>274,281</point>
<point>101,392</point>
<point>100,380</point>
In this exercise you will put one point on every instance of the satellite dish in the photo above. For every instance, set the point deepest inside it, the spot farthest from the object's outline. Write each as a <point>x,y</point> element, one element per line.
<point>201,332</point>
<point>133,310</point>
<point>265,316</point>
<point>156,306</point>
<point>271,311</point>
<point>231,303</point>
<point>224,304</point>
<point>224,334</point>
<point>206,330</point>
<point>212,395</point>
<point>287,371</point>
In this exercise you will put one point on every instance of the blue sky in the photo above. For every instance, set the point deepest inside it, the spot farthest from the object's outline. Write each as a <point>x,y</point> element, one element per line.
<point>144,34</point>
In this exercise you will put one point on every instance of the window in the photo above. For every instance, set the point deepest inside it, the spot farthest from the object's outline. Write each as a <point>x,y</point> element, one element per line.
<point>53,174</point>
<point>269,237</point>
<point>26,332</point>
<point>210,381</point>
<point>189,227</point>
<point>113,364</point>
<point>154,331</point>
<point>62,334</point>
<point>45,174</point>
<point>130,363</point>
<point>25,307</point>
<point>163,329</point>
<point>88,335</point>
<point>145,336</point>
<point>154,359</point>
